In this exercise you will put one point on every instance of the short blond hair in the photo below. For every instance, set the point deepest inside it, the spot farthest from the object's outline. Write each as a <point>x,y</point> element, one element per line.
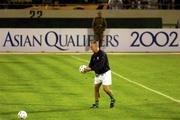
<point>95,42</point>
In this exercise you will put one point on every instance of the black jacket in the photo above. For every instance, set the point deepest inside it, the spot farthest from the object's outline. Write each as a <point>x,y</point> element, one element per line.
<point>99,62</point>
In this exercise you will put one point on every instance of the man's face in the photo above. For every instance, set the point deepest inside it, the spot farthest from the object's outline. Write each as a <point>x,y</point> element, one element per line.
<point>93,47</point>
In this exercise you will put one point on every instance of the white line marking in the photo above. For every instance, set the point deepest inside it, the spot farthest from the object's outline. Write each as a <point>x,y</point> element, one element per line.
<point>136,83</point>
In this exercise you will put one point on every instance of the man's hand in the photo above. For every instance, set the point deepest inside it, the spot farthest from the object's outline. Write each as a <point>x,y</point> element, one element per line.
<point>87,69</point>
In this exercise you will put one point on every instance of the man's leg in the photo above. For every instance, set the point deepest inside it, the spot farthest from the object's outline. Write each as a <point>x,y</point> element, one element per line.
<point>96,89</point>
<point>97,95</point>
<point>100,39</point>
<point>109,92</point>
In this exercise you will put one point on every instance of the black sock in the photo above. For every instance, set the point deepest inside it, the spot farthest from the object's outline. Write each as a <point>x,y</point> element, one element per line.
<point>97,102</point>
<point>111,97</point>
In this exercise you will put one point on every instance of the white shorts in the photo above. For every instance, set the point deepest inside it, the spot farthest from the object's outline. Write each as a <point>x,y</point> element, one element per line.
<point>104,78</point>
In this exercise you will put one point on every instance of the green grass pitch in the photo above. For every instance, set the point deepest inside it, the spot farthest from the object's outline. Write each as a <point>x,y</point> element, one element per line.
<point>50,87</point>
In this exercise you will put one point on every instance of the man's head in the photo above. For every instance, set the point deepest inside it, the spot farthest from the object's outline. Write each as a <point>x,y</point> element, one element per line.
<point>94,46</point>
<point>99,14</point>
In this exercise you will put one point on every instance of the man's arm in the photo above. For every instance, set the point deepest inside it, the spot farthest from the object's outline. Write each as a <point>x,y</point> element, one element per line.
<point>104,23</point>
<point>93,23</point>
<point>89,68</point>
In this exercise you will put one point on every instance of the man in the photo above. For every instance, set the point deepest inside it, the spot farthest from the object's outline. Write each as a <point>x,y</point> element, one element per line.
<point>115,4</point>
<point>100,65</point>
<point>99,25</point>
<point>178,24</point>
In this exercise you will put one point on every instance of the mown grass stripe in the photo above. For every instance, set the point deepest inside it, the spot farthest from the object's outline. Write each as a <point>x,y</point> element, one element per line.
<point>136,83</point>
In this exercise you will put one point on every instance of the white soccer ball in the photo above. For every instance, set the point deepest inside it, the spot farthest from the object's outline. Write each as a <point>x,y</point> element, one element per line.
<point>22,115</point>
<point>82,68</point>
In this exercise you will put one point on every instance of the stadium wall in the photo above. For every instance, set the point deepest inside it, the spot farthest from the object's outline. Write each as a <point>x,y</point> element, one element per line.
<point>79,23</point>
<point>78,40</point>
<point>169,17</point>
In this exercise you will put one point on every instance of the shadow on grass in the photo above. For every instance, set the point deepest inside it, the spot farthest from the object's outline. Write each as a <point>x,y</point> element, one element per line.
<point>133,111</point>
<point>58,108</point>
<point>15,62</point>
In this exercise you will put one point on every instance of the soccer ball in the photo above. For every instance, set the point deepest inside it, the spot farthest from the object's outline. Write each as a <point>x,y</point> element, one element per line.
<point>22,115</point>
<point>82,68</point>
